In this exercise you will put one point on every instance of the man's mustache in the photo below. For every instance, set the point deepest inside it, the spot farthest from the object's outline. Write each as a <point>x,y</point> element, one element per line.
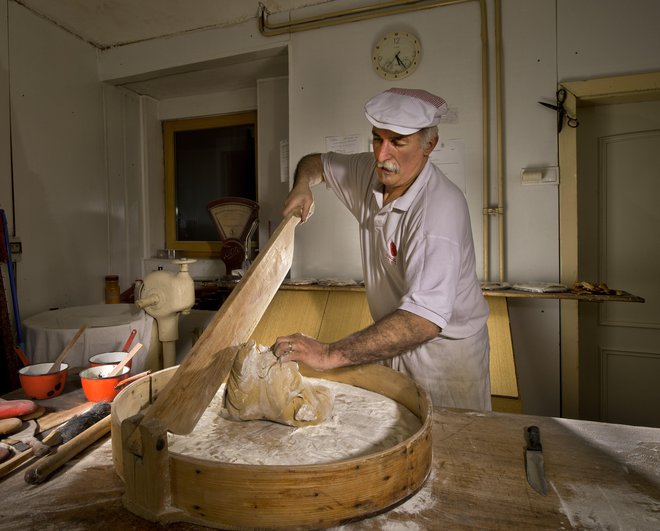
<point>388,166</point>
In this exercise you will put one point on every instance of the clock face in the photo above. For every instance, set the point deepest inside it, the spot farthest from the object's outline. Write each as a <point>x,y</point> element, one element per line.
<point>396,55</point>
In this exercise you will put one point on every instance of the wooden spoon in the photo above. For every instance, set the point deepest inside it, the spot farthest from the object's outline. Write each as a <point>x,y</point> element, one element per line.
<point>126,359</point>
<point>58,361</point>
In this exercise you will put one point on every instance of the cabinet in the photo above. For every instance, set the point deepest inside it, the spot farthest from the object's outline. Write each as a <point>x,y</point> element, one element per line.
<point>330,313</point>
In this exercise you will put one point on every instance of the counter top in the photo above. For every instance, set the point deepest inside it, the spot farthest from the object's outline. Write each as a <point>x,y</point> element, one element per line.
<point>600,476</point>
<point>569,295</point>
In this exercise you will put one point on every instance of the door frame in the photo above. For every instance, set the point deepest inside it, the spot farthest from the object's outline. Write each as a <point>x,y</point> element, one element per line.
<point>600,91</point>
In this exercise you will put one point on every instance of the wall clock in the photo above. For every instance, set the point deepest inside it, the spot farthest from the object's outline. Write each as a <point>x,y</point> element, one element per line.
<point>396,55</point>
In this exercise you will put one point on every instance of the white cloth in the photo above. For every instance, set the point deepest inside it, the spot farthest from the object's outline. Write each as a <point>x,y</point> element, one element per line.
<point>418,256</point>
<point>452,371</point>
<point>108,328</point>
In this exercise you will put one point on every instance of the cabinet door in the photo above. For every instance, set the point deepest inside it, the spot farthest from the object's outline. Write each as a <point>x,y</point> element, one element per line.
<point>346,313</point>
<point>290,312</point>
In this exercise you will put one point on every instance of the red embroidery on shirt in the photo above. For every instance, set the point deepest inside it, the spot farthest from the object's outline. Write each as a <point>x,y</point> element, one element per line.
<point>393,250</point>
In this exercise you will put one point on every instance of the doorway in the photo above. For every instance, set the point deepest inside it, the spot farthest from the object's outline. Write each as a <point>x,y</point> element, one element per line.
<point>618,190</point>
<point>609,175</point>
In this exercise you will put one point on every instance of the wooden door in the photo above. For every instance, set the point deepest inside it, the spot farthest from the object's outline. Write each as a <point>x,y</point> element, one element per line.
<point>619,243</point>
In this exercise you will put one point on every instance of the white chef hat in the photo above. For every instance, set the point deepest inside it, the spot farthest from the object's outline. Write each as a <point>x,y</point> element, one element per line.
<point>405,111</point>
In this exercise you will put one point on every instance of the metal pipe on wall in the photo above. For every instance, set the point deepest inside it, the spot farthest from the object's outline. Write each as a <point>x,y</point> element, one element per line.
<point>500,141</point>
<point>267,29</point>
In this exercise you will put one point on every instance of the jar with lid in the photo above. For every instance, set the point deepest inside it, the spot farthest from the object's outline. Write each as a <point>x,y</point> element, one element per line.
<point>112,292</point>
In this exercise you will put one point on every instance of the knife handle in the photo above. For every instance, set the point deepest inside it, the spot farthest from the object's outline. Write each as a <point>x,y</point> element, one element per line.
<point>534,435</point>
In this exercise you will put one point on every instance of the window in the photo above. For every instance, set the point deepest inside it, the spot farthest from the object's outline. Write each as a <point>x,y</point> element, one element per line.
<point>205,159</point>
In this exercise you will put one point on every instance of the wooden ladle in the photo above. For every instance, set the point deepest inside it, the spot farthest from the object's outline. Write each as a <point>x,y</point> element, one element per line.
<point>58,361</point>
<point>126,359</point>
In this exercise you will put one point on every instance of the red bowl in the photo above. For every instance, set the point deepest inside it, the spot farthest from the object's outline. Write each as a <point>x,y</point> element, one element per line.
<point>108,358</point>
<point>38,385</point>
<point>98,386</point>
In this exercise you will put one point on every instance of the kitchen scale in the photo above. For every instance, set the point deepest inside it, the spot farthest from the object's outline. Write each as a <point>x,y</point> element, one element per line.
<point>236,219</point>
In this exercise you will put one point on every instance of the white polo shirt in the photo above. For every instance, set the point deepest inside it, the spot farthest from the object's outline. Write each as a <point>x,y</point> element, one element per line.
<point>418,256</point>
<point>417,251</point>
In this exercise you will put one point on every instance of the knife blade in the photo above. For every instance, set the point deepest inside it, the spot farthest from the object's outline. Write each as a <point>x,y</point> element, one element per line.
<point>534,461</point>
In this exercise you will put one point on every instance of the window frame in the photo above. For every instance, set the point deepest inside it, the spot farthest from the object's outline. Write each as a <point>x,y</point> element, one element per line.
<point>202,249</point>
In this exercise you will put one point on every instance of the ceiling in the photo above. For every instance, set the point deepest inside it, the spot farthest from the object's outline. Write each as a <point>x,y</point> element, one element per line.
<point>110,23</point>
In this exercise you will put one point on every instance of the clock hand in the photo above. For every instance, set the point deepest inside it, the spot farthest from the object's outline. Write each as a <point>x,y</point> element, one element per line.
<point>398,60</point>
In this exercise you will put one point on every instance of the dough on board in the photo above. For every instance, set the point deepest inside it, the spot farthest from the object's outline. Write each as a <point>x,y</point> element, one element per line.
<point>260,387</point>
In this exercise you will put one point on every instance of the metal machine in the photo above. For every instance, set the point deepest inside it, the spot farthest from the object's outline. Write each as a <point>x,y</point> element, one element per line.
<point>164,295</point>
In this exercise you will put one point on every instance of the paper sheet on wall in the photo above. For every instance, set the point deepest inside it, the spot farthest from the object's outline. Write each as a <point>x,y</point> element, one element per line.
<point>343,144</point>
<point>449,156</point>
<point>284,160</point>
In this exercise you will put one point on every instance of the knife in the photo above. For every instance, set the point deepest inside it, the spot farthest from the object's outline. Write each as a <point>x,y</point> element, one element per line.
<point>534,461</point>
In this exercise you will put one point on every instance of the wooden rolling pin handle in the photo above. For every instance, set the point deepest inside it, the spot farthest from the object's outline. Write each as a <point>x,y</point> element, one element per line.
<point>42,470</point>
<point>14,462</point>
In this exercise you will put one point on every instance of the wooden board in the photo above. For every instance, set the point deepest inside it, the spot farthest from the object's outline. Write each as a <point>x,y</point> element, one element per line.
<point>291,312</point>
<point>182,402</point>
<point>503,378</point>
<point>346,313</point>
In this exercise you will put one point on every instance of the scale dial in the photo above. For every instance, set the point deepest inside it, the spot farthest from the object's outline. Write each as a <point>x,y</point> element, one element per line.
<point>233,217</point>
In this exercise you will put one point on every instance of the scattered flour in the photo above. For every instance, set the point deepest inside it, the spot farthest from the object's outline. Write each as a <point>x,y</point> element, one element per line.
<point>362,422</point>
<point>599,507</point>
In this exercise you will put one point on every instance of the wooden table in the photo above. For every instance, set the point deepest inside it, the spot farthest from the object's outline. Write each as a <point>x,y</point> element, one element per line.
<point>600,476</point>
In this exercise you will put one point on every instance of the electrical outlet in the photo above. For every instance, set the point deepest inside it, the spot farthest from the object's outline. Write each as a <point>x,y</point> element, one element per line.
<point>545,175</point>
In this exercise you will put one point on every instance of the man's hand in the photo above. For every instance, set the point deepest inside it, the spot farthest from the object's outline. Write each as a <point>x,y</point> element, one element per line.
<point>299,347</point>
<point>300,202</point>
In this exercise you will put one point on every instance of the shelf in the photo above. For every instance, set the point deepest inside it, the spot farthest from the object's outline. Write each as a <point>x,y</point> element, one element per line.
<point>518,294</point>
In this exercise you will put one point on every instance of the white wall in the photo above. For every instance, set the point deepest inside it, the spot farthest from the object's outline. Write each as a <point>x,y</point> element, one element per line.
<point>60,194</point>
<point>273,127</point>
<point>603,38</point>
<point>531,211</point>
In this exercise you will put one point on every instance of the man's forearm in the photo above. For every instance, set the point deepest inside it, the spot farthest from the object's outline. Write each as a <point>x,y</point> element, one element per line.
<point>300,200</point>
<point>394,334</point>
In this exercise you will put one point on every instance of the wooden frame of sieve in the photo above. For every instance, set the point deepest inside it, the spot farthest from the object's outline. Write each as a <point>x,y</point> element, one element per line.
<point>164,486</point>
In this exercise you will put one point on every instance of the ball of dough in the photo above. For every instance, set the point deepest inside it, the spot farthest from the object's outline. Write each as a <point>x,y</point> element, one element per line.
<point>260,387</point>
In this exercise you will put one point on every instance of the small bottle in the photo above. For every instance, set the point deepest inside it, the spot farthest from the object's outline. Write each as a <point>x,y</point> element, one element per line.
<point>112,292</point>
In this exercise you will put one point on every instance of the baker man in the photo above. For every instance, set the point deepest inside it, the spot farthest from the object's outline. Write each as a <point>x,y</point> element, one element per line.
<point>417,256</point>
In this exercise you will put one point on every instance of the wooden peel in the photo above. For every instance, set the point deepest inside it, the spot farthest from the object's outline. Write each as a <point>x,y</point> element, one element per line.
<point>186,396</point>
<point>58,361</point>
<point>125,360</point>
